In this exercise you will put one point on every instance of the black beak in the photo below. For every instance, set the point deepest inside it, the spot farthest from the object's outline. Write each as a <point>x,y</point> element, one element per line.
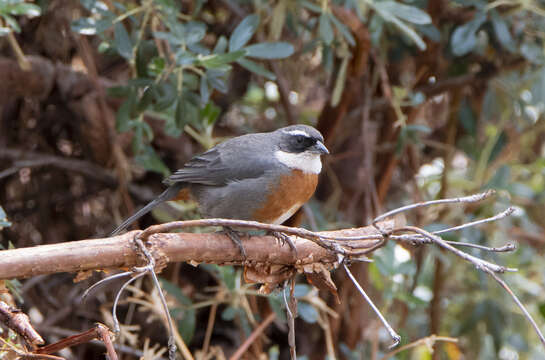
<point>319,148</point>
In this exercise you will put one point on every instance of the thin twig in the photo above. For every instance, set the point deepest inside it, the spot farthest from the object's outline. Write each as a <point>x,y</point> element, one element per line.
<point>479,263</point>
<point>150,266</point>
<point>103,281</point>
<point>253,336</point>
<point>117,328</point>
<point>465,199</point>
<point>428,341</point>
<point>417,239</point>
<point>519,304</point>
<point>209,328</point>
<point>497,217</point>
<point>395,337</point>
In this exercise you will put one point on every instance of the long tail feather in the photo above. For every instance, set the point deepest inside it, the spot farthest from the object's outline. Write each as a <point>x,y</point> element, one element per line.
<point>167,195</point>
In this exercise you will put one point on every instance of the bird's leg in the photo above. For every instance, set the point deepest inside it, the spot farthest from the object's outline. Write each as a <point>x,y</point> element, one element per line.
<point>283,238</point>
<point>235,237</point>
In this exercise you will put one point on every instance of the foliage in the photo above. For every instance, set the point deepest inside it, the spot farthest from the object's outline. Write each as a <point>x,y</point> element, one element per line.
<point>11,8</point>
<point>456,105</point>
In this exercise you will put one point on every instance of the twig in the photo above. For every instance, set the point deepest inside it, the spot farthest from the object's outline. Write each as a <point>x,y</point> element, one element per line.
<point>24,355</point>
<point>395,337</point>
<point>103,281</point>
<point>104,335</point>
<point>100,331</point>
<point>19,322</point>
<point>209,327</point>
<point>253,336</point>
<point>497,217</point>
<point>117,328</point>
<point>24,159</point>
<point>428,341</point>
<point>479,263</point>
<point>465,199</point>
<point>417,239</point>
<point>519,304</point>
<point>291,312</point>
<point>150,269</point>
<point>19,54</point>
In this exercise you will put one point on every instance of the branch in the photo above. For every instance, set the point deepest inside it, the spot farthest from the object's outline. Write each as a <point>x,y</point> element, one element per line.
<point>118,251</point>
<point>24,159</point>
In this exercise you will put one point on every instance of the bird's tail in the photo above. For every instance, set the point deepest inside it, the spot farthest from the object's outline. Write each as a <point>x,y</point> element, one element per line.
<point>170,193</point>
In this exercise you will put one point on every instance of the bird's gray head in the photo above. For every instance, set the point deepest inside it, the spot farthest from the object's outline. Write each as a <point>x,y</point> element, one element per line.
<point>300,147</point>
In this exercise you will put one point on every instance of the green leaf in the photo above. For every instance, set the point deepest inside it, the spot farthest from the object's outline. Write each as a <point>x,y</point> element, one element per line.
<point>165,95</point>
<point>243,32</point>
<point>407,30</point>
<point>221,45</point>
<point>122,41</point>
<point>184,57</point>
<point>194,32</point>
<point>4,31</point>
<point>310,6</point>
<point>277,305</point>
<point>84,26</point>
<point>12,23</point>
<point>214,78</point>
<point>145,100</point>
<point>149,160</point>
<point>170,37</point>
<point>307,312</point>
<point>3,219</point>
<point>464,37</point>
<point>467,117</point>
<point>221,60</point>
<point>270,50</point>
<point>229,313</point>
<point>205,92</point>
<point>301,290</point>
<point>210,114</point>
<point>123,116</point>
<point>408,13</point>
<point>156,66</point>
<point>532,52</point>
<point>256,68</point>
<point>343,30</point>
<point>541,308</point>
<point>325,30</point>
<point>228,276</point>
<point>27,9</point>
<point>502,32</point>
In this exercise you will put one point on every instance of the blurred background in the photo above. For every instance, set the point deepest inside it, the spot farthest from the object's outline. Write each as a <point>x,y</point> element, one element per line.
<point>417,100</point>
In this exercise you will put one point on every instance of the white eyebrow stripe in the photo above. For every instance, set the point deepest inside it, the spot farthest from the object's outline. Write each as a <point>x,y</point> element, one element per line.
<point>297,132</point>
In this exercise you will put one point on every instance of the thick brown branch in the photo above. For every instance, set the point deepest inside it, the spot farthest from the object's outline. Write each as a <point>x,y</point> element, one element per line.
<point>119,252</point>
<point>23,159</point>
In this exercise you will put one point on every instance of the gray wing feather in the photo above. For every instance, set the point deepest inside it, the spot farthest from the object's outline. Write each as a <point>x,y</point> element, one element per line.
<point>232,160</point>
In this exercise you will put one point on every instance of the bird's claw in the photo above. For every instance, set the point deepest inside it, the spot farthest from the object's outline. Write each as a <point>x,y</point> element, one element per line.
<point>283,238</point>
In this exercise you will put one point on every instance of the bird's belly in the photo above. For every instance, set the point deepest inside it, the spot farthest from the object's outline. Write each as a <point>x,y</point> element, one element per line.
<point>286,196</point>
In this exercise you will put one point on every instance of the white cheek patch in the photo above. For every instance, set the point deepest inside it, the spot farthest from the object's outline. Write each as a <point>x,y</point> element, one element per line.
<point>306,161</point>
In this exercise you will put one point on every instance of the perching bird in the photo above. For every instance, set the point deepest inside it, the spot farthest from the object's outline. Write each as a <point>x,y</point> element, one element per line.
<point>264,177</point>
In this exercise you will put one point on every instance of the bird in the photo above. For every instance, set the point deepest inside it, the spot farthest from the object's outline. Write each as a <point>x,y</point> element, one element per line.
<point>264,177</point>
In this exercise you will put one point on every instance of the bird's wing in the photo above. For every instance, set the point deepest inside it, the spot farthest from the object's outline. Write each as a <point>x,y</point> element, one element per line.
<point>234,160</point>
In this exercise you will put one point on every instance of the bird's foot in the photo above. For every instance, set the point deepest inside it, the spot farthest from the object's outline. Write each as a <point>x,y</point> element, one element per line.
<point>235,237</point>
<point>283,238</point>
